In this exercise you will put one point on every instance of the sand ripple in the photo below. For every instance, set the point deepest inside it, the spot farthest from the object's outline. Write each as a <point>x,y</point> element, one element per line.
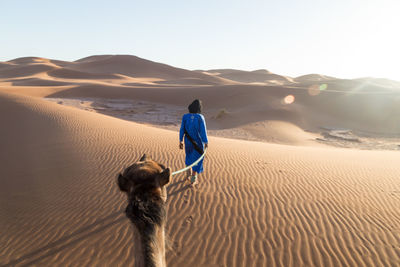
<point>256,205</point>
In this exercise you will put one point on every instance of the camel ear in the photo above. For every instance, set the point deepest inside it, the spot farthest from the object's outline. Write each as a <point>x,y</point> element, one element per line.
<point>164,177</point>
<point>143,158</point>
<point>123,183</point>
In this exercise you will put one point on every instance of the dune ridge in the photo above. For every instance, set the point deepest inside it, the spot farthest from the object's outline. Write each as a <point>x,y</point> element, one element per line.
<point>257,204</point>
<point>257,76</point>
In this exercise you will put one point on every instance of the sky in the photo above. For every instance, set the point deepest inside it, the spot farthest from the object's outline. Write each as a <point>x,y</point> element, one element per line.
<point>340,38</point>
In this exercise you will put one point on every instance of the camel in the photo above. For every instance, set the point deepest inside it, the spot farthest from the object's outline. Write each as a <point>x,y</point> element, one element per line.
<point>144,184</point>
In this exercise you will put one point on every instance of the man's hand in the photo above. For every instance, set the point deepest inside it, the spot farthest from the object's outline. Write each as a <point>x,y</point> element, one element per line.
<point>181,145</point>
<point>206,145</point>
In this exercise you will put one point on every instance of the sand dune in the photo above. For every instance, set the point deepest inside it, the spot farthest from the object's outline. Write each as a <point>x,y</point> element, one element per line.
<point>73,74</point>
<point>257,204</point>
<point>28,60</point>
<point>313,77</point>
<point>266,106</point>
<point>359,108</point>
<point>366,106</point>
<point>383,83</point>
<point>136,67</point>
<point>4,65</point>
<point>37,82</point>
<point>257,76</point>
<point>24,70</point>
<point>106,67</point>
<point>370,110</point>
<point>35,60</point>
<point>190,81</point>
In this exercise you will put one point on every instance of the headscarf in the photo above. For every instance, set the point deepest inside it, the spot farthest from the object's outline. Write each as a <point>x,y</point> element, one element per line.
<point>195,106</point>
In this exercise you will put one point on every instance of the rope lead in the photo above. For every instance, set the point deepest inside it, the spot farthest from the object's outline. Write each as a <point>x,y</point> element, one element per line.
<point>190,166</point>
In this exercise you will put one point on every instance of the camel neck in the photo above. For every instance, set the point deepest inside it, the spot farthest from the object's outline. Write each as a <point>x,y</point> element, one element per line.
<point>151,246</point>
<point>148,218</point>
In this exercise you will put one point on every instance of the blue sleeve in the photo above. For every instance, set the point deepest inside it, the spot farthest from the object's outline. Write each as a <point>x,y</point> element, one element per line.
<point>182,131</point>
<point>203,130</point>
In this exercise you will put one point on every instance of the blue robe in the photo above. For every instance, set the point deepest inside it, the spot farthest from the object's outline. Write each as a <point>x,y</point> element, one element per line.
<point>195,125</point>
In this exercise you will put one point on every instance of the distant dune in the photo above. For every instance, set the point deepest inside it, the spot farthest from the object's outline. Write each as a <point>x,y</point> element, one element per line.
<point>257,76</point>
<point>4,65</point>
<point>13,71</point>
<point>384,83</point>
<point>313,77</point>
<point>38,82</point>
<point>73,74</point>
<point>368,105</point>
<point>104,66</point>
<point>135,67</point>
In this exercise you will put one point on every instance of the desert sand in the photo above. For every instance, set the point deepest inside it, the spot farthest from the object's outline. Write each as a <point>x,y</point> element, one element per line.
<point>275,192</point>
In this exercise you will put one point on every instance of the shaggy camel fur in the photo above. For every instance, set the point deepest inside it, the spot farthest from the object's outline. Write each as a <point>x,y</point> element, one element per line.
<point>144,183</point>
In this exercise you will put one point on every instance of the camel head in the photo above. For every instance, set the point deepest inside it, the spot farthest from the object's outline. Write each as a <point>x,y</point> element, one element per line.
<point>144,184</point>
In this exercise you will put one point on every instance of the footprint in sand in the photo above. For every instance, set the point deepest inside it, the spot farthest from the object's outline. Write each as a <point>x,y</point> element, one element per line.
<point>177,249</point>
<point>186,198</point>
<point>188,220</point>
